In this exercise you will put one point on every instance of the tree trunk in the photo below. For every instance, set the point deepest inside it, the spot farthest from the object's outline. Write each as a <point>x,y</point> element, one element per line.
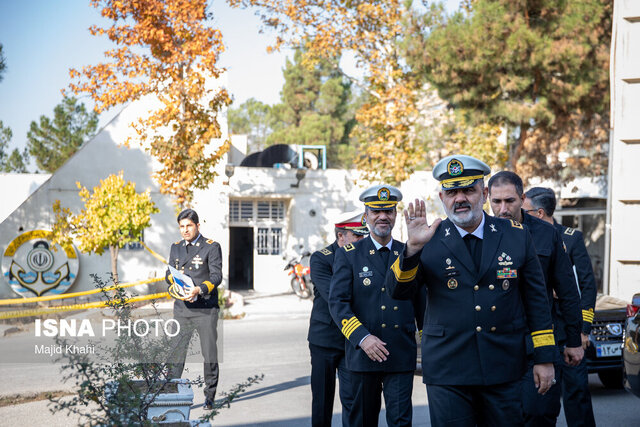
<point>516,149</point>
<point>113,250</point>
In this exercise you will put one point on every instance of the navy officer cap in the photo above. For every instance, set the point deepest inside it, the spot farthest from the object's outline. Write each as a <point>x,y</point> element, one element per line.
<point>381,197</point>
<point>459,171</point>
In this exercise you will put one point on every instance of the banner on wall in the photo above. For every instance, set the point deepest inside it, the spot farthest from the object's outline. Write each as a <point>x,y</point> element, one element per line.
<point>33,266</point>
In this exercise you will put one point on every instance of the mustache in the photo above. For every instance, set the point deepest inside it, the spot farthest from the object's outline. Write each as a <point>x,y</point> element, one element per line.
<point>459,205</point>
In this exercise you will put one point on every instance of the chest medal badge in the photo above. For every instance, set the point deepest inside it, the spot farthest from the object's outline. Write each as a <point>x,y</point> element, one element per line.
<point>197,261</point>
<point>366,281</point>
<point>452,283</point>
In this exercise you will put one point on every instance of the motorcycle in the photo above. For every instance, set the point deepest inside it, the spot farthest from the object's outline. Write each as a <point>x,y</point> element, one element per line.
<point>301,280</point>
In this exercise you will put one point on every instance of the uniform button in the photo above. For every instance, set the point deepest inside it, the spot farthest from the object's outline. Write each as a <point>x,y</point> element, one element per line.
<point>384,307</point>
<point>396,326</point>
<point>382,289</point>
<point>479,328</point>
<point>476,287</point>
<point>384,325</point>
<point>478,308</point>
<point>395,307</point>
<point>493,329</point>
<point>493,308</point>
<point>491,287</point>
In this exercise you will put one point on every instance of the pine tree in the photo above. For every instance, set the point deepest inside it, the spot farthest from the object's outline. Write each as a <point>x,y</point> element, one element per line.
<point>538,67</point>
<point>52,141</point>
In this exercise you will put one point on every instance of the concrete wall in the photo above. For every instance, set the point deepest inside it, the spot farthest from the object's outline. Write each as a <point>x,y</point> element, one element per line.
<point>624,156</point>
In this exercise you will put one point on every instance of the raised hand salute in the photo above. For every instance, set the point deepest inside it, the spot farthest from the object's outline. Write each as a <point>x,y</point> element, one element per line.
<point>418,229</point>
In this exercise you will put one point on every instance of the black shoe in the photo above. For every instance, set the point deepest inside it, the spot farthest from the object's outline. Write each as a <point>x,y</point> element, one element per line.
<point>208,404</point>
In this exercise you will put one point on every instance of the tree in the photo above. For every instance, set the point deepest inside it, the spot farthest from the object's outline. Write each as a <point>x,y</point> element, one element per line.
<point>114,214</point>
<point>14,162</point>
<point>3,63</point>
<point>540,68</point>
<point>252,118</point>
<point>315,110</point>
<point>52,142</point>
<point>371,31</point>
<point>166,50</point>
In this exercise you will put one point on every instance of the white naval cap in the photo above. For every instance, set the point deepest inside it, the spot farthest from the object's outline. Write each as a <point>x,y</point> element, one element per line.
<point>459,171</point>
<point>381,197</point>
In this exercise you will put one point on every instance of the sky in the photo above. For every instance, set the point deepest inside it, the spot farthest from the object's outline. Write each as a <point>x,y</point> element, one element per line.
<point>43,39</point>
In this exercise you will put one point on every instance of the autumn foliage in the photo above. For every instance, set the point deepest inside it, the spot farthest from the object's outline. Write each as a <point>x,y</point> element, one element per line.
<point>114,214</point>
<point>370,30</point>
<point>163,48</point>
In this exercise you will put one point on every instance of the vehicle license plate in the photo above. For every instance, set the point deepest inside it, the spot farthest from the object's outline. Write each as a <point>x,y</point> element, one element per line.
<point>608,350</point>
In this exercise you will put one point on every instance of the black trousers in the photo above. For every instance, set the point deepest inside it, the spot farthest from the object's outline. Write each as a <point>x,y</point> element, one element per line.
<point>325,362</point>
<point>541,410</point>
<point>576,397</point>
<point>205,322</point>
<point>396,387</point>
<point>475,405</point>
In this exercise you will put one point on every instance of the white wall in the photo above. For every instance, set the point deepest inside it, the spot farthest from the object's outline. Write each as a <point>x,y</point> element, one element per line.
<point>624,156</point>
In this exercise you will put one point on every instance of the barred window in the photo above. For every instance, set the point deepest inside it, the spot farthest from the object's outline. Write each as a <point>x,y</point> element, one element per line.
<point>269,241</point>
<point>254,210</point>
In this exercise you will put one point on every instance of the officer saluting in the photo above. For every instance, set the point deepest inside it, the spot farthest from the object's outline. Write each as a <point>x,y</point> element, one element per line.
<point>380,330</point>
<point>484,289</point>
<point>326,342</point>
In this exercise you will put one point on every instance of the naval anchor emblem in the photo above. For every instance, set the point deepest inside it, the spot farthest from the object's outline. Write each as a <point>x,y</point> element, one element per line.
<point>32,266</point>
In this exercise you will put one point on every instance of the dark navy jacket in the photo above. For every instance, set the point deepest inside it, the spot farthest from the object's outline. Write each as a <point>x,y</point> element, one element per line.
<point>476,320</point>
<point>580,259</point>
<point>360,305</point>
<point>204,265</point>
<point>558,275</point>
<point>323,331</point>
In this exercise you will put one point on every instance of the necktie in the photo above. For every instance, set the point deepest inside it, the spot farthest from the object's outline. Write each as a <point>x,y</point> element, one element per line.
<point>384,253</point>
<point>474,246</point>
<point>189,247</point>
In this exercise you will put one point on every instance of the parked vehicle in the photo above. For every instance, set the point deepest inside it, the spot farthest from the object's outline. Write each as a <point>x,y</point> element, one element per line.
<point>631,348</point>
<point>301,279</point>
<point>604,354</point>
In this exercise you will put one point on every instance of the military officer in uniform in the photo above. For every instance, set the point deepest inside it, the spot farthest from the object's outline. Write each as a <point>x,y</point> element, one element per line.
<point>201,259</point>
<point>326,342</point>
<point>380,330</point>
<point>506,197</point>
<point>576,398</point>
<point>485,292</point>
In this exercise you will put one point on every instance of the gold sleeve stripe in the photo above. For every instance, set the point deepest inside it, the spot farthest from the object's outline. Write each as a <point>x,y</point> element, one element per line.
<point>587,316</point>
<point>348,331</point>
<point>403,276</point>
<point>543,340</point>
<point>543,331</point>
<point>348,326</point>
<point>210,286</point>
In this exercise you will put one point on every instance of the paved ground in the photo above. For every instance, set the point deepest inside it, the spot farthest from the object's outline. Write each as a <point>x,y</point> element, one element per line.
<point>271,340</point>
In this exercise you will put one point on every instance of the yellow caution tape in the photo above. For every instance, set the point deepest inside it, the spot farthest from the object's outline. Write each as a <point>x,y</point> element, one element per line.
<point>12,301</point>
<point>97,304</point>
<point>154,253</point>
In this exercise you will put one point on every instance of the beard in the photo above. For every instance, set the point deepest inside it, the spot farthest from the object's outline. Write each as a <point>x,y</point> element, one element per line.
<point>468,218</point>
<point>381,230</point>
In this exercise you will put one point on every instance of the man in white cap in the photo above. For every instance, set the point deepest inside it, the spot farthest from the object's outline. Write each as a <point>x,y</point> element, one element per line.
<point>485,289</point>
<point>380,330</point>
<point>326,343</point>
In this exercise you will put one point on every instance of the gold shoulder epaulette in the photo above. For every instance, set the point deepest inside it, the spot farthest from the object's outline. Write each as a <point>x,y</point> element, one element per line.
<point>325,251</point>
<point>210,241</point>
<point>515,224</point>
<point>349,247</point>
<point>178,242</point>
<point>569,231</point>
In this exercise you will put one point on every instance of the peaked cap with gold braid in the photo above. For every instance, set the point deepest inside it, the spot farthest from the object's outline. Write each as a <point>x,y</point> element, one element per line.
<point>459,171</point>
<point>381,197</point>
<point>353,221</point>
